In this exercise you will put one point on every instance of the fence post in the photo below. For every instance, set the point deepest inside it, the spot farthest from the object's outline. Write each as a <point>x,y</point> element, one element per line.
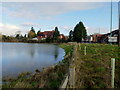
<point>79,46</point>
<point>112,71</point>
<point>85,51</point>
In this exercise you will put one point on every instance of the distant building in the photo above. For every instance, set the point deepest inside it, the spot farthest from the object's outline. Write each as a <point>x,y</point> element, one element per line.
<point>102,39</point>
<point>109,37</point>
<point>61,36</point>
<point>66,37</point>
<point>95,37</point>
<point>45,34</point>
<point>48,34</point>
<point>40,35</point>
<point>34,39</point>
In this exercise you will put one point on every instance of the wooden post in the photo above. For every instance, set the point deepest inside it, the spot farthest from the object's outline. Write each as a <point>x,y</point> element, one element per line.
<point>112,71</point>
<point>85,51</point>
<point>72,77</point>
<point>64,85</point>
<point>79,46</point>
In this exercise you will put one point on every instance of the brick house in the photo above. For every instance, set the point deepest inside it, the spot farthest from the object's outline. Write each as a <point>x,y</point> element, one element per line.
<point>45,34</point>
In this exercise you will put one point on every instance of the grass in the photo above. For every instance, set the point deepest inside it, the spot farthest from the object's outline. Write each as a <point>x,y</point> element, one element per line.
<point>50,77</point>
<point>93,69</point>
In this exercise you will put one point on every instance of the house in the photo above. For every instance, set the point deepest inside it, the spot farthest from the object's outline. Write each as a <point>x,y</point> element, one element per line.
<point>66,37</point>
<point>45,34</point>
<point>95,37</point>
<point>113,36</point>
<point>89,38</point>
<point>41,36</point>
<point>61,36</point>
<point>105,38</point>
<point>48,34</point>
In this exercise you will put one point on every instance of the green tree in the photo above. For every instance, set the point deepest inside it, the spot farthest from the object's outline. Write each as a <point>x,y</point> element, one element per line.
<point>32,33</point>
<point>38,32</point>
<point>71,36</point>
<point>56,34</point>
<point>25,36</point>
<point>32,29</point>
<point>48,40</point>
<point>17,36</point>
<point>79,32</point>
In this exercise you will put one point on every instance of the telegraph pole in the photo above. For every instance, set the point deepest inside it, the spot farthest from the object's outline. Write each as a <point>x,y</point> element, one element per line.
<point>111,20</point>
<point>119,23</point>
<point>110,23</point>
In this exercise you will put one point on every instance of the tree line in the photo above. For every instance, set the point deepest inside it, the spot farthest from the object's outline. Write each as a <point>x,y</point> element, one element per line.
<point>78,34</point>
<point>54,39</point>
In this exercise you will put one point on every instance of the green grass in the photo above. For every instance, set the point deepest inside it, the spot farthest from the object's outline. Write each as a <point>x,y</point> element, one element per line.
<point>68,48</point>
<point>94,69</point>
<point>50,77</point>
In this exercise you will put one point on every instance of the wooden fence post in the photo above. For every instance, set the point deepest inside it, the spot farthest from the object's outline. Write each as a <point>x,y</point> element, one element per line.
<point>85,51</point>
<point>112,71</point>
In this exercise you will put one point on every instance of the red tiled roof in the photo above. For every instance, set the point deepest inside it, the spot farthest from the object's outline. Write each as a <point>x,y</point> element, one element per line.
<point>46,34</point>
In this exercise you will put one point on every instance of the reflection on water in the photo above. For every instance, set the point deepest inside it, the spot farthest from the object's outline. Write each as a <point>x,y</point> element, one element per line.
<point>56,52</point>
<point>25,57</point>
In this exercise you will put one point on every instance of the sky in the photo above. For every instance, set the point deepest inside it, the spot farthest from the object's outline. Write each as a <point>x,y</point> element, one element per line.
<point>45,16</point>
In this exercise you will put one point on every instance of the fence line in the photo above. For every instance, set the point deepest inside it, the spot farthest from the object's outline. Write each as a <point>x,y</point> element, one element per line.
<point>69,81</point>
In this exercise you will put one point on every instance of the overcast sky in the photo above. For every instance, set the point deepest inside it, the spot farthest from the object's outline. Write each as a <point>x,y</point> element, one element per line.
<point>21,16</point>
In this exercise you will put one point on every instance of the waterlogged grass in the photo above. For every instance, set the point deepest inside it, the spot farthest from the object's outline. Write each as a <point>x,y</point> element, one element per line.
<point>93,70</point>
<point>50,77</point>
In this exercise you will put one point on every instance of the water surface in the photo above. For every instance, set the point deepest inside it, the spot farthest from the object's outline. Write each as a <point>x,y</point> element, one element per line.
<point>27,57</point>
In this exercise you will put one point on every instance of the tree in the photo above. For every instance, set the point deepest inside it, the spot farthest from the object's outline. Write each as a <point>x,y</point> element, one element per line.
<point>71,36</point>
<point>17,36</point>
<point>25,36</point>
<point>56,34</point>
<point>79,32</point>
<point>38,32</point>
<point>32,33</point>
<point>48,40</point>
<point>32,29</point>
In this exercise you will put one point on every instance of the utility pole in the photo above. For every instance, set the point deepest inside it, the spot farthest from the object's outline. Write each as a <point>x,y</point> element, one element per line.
<point>111,20</point>
<point>119,23</point>
<point>110,24</point>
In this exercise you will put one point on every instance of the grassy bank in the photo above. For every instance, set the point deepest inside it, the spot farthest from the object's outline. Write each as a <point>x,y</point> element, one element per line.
<point>93,70</point>
<point>50,77</point>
